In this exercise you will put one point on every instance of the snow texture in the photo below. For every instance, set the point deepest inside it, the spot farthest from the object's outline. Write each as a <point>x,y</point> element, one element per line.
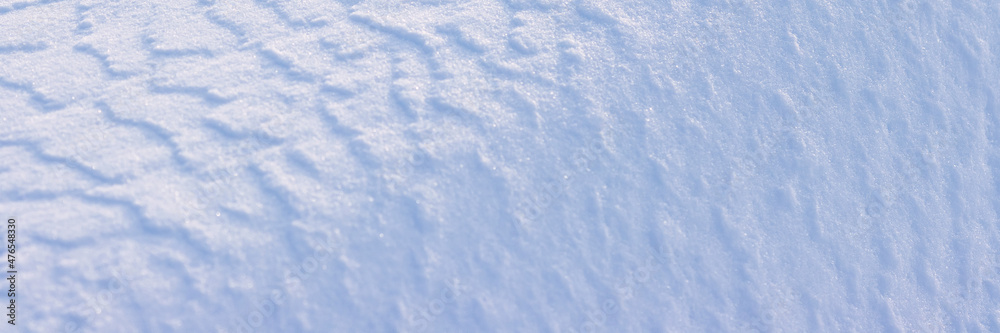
<point>503,165</point>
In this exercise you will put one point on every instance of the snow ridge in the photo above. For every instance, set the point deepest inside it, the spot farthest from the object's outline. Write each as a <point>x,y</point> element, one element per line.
<point>515,165</point>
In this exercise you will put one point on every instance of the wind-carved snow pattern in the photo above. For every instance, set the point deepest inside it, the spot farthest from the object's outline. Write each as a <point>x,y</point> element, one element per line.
<point>514,165</point>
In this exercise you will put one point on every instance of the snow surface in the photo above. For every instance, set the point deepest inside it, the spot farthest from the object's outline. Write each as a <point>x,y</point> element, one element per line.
<point>502,166</point>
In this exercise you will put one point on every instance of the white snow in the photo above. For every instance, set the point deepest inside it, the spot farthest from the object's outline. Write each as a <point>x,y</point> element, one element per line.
<point>502,166</point>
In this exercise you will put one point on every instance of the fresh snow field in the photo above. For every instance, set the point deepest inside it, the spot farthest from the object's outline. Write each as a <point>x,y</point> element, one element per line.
<point>502,165</point>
